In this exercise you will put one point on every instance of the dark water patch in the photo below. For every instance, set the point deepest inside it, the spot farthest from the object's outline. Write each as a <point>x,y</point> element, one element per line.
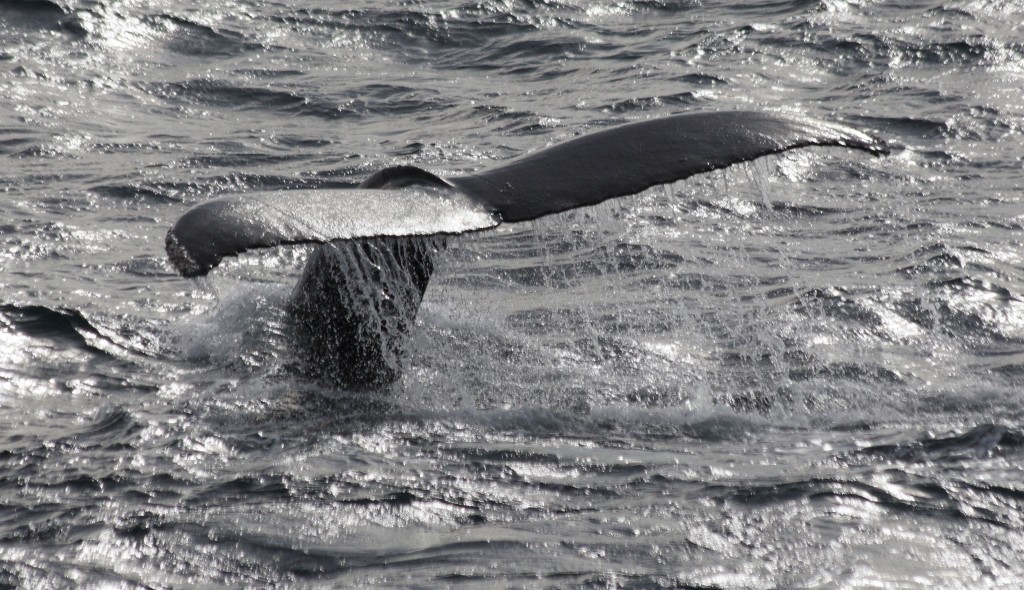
<point>452,554</point>
<point>1010,365</point>
<point>227,95</point>
<point>497,55</point>
<point>966,309</point>
<point>941,258</point>
<point>628,257</point>
<point>874,224</point>
<point>115,429</point>
<point>289,142</point>
<point>134,148</point>
<point>38,15</point>
<point>634,472</point>
<point>410,149</point>
<point>41,522</point>
<point>749,397</point>
<point>48,466</point>
<point>512,122</point>
<point>984,441</point>
<point>837,302</point>
<point>505,455</point>
<point>61,326</point>
<point>900,493</point>
<point>969,308</point>
<point>138,524</point>
<point>252,559</point>
<point>915,127</point>
<point>256,488</point>
<point>618,345</point>
<point>629,581</point>
<point>190,38</point>
<point>405,31</point>
<point>82,484</point>
<point>659,395</point>
<point>848,371</point>
<point>111,353</point>
<point>547,48</point>
<point>794,210</point>
<point>394,100</point>
<point>43,7</point>
<point>517,468</point>
<point>156,192</point>
<point>268,74</point>
<point>14,140</point>
<point>306,409</point>
<point>305,18</point>
<point>361,101</point>
<point>972,50</point>
<point>968,285</point>
<point>975,50</point>
<point>703,79</point>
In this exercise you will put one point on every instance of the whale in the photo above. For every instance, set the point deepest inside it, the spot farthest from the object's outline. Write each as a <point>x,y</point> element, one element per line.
<point>377,244</point>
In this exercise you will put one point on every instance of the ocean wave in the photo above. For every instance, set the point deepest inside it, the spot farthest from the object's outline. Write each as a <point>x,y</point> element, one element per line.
<point>186,37</point>
<point>983,441</point>
<point>221,93</point>
<point>66,327</point>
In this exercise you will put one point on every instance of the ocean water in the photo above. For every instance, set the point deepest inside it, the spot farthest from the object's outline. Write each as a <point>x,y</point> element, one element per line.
<point>801,372</point>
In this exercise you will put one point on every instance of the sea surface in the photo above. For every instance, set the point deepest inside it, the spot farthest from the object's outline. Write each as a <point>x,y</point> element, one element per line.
<point>801,372</point>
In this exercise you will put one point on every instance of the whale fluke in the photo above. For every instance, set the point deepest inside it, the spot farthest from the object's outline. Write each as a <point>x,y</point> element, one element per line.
<point>361,289</point>
<point>231,225</point>
<point>408,201</point>
<point>627,159</point>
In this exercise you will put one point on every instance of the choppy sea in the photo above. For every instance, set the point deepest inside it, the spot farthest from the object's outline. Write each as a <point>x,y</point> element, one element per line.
<point>802,372</point>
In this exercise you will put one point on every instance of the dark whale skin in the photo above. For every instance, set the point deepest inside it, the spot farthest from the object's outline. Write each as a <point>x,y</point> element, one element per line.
<point>361,288</point>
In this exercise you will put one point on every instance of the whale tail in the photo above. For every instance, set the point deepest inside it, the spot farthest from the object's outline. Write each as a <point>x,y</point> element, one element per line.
<point>355,305</point>
<point>357,300</point>
<point>407,201</point>
<point>362,286</point>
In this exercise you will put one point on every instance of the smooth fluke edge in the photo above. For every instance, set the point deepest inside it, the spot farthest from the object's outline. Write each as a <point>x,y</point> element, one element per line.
<point>227,226</point>
<point>407,201</point>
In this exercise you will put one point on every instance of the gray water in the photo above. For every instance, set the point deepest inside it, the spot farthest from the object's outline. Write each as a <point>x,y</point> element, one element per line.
<point>804,372</point>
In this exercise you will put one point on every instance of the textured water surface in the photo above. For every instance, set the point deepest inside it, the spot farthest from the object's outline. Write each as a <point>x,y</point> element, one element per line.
<point>803,372</point>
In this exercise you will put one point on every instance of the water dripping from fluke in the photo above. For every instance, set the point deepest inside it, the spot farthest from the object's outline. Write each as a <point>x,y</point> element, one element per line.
<point>355,305</point>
